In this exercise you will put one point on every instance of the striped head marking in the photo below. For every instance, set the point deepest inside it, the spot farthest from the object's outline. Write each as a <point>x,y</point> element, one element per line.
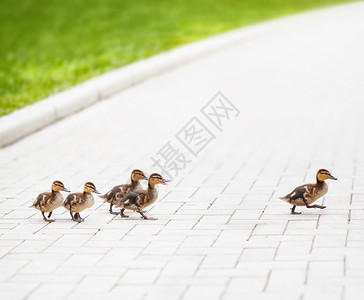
<point>90,188</point>
<point>137,175</point>
<point>58,186</point>
<point>155,178</point>
<point>324,174</point>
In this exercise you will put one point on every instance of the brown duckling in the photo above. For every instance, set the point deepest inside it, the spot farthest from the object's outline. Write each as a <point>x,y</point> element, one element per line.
<point>120,191</point>
<point>138,200</point>
<point>49,201</point>
<point>306,194</point>
<point>78,202</point>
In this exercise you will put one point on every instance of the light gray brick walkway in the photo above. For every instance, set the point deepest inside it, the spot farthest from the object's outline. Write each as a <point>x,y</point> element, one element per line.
<point>222,232</point>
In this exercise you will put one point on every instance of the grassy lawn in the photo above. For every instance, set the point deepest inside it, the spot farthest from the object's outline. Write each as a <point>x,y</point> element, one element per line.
<point>49,46</point>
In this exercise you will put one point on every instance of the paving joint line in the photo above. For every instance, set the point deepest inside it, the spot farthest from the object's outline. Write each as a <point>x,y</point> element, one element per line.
<point>33,290</point>
<point>343,290</point>
<point>184,292</point>
<point>194,193</point>
<point>267,281</point>
<point>210,205</point>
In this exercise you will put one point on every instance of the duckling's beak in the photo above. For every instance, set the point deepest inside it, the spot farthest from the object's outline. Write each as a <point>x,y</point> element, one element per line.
<point>164,181</point>
<point>332,177</point>
<point>96,191</point>
<point>64,189</point>
<point>145,177</point>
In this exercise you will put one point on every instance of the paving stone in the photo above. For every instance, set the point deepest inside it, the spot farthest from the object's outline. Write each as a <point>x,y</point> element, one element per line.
<point>165,292</point>
<point>12,290</point>
<point>189,280</point>
<point>326,269</point>
<point>80,260</point>
<point>211,292</point>
<point>96,284</point>
<point>297,247</point>
<point>41,266</point>
<point>258,254</point>
<point>182,266</point>
<point>269,229</point>
<point>246,285</point>
<point>330,241</point>
<point>139,277</point>
<point>219,262</point>
<point>70,279</point>
<point>54,290</point>
<point>32,247</point>
<point>294,279</point>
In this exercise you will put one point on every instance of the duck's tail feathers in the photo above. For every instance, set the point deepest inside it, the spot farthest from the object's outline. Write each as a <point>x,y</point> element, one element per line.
<point>105,197</point>
<point>284,198</point>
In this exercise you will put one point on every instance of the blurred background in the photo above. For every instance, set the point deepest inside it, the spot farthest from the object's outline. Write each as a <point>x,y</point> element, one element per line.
<point>49,46</point>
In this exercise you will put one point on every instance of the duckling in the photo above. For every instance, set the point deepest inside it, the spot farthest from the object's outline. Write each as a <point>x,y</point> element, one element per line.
<point>120,191</point>
<point>49,201</point>
<point>306,194</point>
<point>78,202</point>
<point>138,200</point>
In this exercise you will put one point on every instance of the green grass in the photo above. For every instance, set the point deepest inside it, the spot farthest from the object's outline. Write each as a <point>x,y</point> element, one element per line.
<point>49,46</point>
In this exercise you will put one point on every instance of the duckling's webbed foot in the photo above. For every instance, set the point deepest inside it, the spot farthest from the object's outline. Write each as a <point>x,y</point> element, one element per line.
<point>47,220</point>
<point>78,218</point>
<point>316,206</point>
<point>122,214</point>
<point>74,217</point>
<point>145,217</point>
<point>294,212</point>
<point>112,212</point>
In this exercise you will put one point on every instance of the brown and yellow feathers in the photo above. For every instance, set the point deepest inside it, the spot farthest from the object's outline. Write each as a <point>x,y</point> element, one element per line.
<point>117,193</point>
<point>49,201</point>
<point>78,202</point>
<point>136,201</point>
<point>306,194</point>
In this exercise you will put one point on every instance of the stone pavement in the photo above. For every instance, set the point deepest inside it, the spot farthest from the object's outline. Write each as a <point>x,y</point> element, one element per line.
<point>222,232</point>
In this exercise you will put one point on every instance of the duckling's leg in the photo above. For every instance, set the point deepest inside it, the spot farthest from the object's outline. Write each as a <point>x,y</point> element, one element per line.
<point>122,214</point>
<point>110,210</point>
<point>45,219</point>
<point>294,212</point>
<point>49,215</point>
<point>79,219</point>
<point>145,217</point>
<point>315,206</point>
<point>73,217</point>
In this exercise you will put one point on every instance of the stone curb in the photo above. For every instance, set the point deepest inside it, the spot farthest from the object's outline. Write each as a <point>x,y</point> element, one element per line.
<point>35,117</point>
